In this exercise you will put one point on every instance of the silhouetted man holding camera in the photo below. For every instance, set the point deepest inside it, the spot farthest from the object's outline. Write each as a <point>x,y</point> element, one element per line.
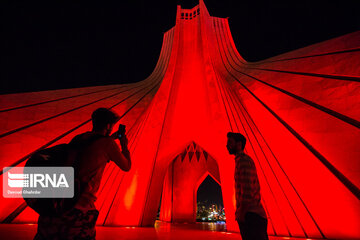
<point>97,148</point>
<point>250,213</point>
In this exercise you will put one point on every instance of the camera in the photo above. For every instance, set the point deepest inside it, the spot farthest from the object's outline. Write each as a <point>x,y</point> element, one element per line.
<point>121,130</point>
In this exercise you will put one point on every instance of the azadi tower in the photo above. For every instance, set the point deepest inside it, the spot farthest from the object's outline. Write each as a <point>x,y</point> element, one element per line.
<point>299,111</point>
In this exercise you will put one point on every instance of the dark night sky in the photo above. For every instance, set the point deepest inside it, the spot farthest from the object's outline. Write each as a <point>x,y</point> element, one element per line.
<point>210,191</point>
<point>67,44</point>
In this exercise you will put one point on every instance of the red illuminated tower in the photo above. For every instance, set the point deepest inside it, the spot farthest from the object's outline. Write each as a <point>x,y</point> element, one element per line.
<point>299,111</point>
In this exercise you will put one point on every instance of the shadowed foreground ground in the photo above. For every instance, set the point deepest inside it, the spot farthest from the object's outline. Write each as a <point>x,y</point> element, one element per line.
<point>161,231</point>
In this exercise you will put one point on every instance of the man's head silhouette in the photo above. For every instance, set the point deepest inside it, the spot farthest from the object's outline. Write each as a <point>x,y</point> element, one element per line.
<point>103,120</point>
<point>235,143</point>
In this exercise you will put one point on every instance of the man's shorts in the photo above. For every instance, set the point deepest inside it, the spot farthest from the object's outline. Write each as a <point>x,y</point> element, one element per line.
<point>75,224</point>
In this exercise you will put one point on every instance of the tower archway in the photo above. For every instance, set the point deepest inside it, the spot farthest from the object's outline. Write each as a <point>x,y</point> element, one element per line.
<point>209,200</point>
<point>182,180</point>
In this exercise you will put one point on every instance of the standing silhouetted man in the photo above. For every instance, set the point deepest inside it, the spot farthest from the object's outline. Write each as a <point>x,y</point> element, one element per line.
<point>97,149</point>
<point>250,213</point>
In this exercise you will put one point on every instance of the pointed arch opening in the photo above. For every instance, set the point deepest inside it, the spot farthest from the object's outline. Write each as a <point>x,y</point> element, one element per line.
<point>191,170</point>
<point>209,200</point>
